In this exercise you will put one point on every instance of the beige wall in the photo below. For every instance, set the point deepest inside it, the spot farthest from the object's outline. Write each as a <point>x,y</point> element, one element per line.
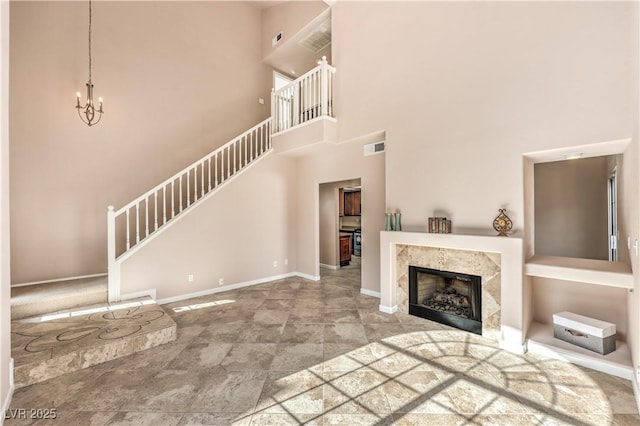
<point>571,215</point>
<point>178,79</point>
<point>5,270</point>
<point>464,89</point>
<point>236,235</point>
<point>331,163</point>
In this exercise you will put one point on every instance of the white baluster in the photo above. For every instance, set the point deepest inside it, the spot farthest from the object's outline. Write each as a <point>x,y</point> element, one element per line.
<point>164,204</point>
<point>234,145</point>
<point>146,213</point>
<point>155,211</point>
<point>209,173</point>
<point>274,106</point>
<point>215,169</point>
<point>173,201</point>
<point>180,197</point>
<point>296,104</point>
<point>137,223</point>
<point>324,87</point>
<point>202,180</point>
<point>246,152</point>
<point>315,108</point>
<point>128,232</point>
<point>188,187</point>
<point>228,175</point>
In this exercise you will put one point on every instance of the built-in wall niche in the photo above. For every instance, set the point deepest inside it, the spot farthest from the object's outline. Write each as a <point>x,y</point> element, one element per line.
<point>569,264</point>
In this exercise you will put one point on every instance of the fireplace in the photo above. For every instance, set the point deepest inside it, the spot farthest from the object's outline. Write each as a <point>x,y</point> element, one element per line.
<point>446,297</point>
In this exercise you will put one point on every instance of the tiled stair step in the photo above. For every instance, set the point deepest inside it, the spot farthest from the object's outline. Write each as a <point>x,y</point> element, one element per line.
<point>38,299</point>
<point>52,345</point>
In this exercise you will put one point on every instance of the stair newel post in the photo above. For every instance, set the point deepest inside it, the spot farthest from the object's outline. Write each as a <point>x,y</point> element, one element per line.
<point>324,87</point>
<point>274,107</point>
<point>113,269</point>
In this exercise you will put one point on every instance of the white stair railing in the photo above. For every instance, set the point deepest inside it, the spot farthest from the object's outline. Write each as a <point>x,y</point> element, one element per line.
<point>141,219</point>
<point>308,97</point>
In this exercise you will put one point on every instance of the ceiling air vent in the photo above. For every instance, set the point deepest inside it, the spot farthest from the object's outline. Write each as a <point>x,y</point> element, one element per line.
<point>319,38</point>
<point>373,148</point>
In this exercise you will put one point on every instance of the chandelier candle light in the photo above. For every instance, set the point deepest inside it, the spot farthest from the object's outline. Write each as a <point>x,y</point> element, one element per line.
<point>88,112</point>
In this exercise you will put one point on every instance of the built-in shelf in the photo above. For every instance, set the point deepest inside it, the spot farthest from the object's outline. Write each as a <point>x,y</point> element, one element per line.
<point>599,272</point>
<point>541,341</point>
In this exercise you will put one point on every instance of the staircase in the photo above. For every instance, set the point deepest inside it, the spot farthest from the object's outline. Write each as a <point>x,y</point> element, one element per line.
<point>140,221</point>
<point>63,326</point>
<point>137,223</point>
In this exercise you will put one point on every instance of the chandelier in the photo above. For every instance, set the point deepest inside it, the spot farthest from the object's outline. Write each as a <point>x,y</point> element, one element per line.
<point>88,112</point>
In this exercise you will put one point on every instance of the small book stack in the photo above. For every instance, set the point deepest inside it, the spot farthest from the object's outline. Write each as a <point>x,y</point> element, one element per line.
<point>439,225</point>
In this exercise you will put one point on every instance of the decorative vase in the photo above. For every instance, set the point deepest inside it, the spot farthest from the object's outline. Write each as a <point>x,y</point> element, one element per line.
<point>398,225</point>
<point>387,219</point>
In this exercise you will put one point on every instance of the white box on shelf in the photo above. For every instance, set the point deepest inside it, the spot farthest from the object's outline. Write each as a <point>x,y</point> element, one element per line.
<point>589,333</point>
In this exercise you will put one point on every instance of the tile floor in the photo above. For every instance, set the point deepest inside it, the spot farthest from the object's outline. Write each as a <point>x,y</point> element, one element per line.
<point>302,352</point>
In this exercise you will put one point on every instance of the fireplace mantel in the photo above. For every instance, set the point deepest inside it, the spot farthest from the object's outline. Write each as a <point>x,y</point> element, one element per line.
<point>511,263</point>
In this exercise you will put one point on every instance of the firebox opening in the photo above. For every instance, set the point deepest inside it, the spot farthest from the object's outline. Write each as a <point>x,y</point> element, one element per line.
<point>446,297</point>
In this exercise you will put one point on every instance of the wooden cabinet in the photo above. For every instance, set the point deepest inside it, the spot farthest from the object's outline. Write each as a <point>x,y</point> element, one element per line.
<point>352,203</point>
<point>341,201</point>
<point>345,250</point>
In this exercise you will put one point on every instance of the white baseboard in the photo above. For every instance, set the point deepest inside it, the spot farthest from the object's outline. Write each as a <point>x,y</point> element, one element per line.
<point>306,276</point>
<point>388,309</point>
<point>370,292</point>
<point>332,267</point>
<point>138,294</point>
<point>230,287</point>
<point>513,347</point>
<point>7,401</point>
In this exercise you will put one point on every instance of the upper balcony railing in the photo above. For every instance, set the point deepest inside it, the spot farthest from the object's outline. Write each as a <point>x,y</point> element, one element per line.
<point>308,97</point>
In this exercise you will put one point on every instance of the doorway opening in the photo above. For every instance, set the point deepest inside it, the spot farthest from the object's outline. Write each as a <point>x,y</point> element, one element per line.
<point>340,227</point>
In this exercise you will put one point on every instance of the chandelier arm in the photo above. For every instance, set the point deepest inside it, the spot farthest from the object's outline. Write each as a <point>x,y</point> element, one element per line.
<point>81,117</point>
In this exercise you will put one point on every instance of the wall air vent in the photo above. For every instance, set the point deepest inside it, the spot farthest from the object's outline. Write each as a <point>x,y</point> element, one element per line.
<point>373,148</point>
<point>276,39</point>
<point>318,38</point>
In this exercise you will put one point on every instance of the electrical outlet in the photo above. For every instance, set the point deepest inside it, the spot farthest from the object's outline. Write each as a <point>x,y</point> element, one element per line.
<point>221,281</point>
<point>286,261</point>
<point>190,278</point>
<point>275,263</point>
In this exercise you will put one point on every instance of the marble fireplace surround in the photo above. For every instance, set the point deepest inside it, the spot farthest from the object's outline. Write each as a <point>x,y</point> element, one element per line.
<point>498,260</point>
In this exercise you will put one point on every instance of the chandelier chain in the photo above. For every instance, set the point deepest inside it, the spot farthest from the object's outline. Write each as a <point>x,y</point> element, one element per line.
<point>89,40</point>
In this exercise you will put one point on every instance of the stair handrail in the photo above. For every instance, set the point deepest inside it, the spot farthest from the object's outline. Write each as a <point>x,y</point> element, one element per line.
<point>207,174</point>
<point>189,167</point>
